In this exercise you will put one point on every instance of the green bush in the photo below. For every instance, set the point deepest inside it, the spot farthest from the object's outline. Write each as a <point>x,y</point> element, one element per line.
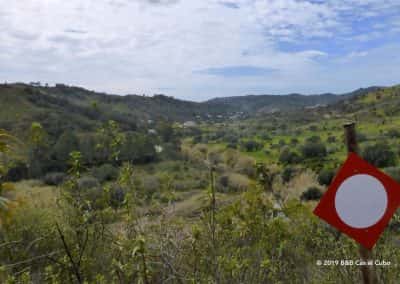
<point>313,128</point>
<point>331,139</point>
<point>88,182</point>
<point>106,172</point>
<point>245,165</point>
<point>380,155</point>
<point>151,185</point>
<point>325,176</point>
<point>313,139</point>
<point>54,178</point>
<point>289,157</point>
<point>232,182</point>
<point>251,146</point>
<point>313,150</point>
<point>117,196</point>
<point>287,174</point>
<point>312,193</point>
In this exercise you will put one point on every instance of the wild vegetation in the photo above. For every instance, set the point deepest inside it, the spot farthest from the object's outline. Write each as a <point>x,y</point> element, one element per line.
<point>97,189</point>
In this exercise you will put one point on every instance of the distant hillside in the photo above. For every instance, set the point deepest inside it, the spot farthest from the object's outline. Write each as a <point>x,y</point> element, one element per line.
<point>271,103</point>
<point>72,107</point>
<point>61,107</point>
<point>383,103</point>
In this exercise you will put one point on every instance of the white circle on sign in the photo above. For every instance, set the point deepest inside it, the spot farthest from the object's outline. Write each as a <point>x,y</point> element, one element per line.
<point>361,201</point>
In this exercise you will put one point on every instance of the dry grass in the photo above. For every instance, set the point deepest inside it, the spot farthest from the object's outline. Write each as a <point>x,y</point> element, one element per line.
<point>298,185</point>
<point>33,193</point>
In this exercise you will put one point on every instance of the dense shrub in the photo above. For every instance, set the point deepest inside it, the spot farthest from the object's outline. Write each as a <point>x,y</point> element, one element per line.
<point>380,155</point>
<point>312,193</point>
<point>289,157</point>
<point>245,166</point>
<point>231,146</point>
<point>214,157</point>
<point>265,136</point>
<point>106,172</point>
<point>313,128</point>
<point>287,174</point>
<point>231,138</point>
<point>54,178</point>
<point>17,173</point>
<point>393,133</point>
<point>88,182</point>
<point>91,190</point>
<point>313,139</point>
<point>251,146</point>
<point>331,139</point>
<point>117,196</point>
<point>170,151</point>
<point>197,139</point>
<point>232,182</point>
<point>66,143</point>
<point>150,184</point>
<point>325,176</point>
<point>313,150</point>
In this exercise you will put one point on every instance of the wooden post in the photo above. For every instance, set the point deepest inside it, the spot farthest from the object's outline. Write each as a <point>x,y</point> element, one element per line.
<point>368,272</point>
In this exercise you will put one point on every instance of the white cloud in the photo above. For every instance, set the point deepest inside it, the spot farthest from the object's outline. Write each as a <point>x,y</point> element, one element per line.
<point>295,18</point>
<point>143,46</point>
<point>357,54</point>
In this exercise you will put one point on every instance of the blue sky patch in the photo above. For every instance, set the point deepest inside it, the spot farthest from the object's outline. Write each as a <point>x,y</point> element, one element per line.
<point>230,5</point>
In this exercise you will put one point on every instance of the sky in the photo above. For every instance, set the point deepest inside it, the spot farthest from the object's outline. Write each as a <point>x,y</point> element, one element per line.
<point>200,49</point>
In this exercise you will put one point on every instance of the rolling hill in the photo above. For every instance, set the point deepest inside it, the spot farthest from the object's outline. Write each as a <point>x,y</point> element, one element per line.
<point>62,107</point>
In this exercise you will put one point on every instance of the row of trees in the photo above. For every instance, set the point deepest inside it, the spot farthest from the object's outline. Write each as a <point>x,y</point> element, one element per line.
<point>108,145</point>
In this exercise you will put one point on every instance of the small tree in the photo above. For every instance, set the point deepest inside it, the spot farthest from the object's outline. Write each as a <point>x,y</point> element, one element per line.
<point>38,150</point>
<point>313,150</point>
<point>325,176</point>
<point>251,146</point>
<point>110,140</point>
<point>288,157</point>
<point>312,193</point>
<point>66,144</point>
<point>287,174</point>
<point>331,139</point>
<point>380,155</point>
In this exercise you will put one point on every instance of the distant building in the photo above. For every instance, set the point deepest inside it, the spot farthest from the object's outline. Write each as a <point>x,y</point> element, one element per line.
<point>188,124</point>
<point>35,84</point>
<point>315,106</point>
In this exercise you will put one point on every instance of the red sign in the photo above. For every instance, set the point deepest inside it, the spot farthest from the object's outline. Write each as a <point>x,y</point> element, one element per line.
<point>360,201</point>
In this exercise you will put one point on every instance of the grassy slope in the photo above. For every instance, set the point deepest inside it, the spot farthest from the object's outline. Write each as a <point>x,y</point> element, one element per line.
<point>375,112</point>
